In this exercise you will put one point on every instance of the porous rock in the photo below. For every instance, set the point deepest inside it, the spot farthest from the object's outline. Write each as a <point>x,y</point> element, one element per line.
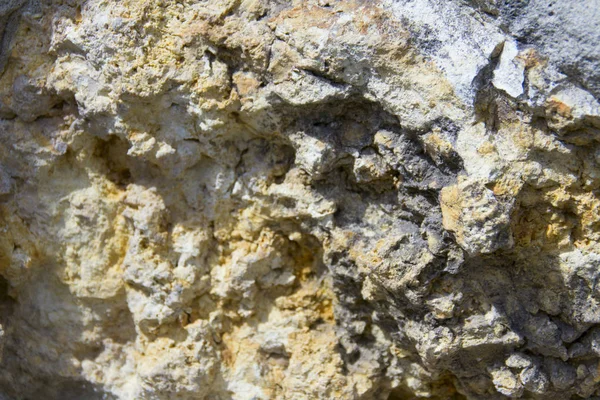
<point>321,199</point>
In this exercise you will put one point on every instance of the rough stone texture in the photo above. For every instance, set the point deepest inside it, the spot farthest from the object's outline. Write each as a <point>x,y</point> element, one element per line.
<point>271,199</point>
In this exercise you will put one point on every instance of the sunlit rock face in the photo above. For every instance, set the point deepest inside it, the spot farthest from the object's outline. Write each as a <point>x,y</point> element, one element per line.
<point>285,199</point>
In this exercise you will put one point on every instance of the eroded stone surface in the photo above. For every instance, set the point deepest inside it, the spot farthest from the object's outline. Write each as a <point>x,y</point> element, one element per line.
<point>263,199</point>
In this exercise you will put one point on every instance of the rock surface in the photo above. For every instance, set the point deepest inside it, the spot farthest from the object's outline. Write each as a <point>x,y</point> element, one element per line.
<point>269,199</point>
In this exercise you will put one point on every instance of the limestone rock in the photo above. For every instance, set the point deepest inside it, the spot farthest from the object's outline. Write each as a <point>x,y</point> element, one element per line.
<point>321,199</point>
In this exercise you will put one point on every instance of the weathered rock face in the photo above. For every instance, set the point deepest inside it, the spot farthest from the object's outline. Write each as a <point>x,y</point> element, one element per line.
<point>270,199</point>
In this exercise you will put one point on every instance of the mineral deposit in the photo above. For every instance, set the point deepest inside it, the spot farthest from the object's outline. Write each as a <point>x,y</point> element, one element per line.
<point>299,199</point>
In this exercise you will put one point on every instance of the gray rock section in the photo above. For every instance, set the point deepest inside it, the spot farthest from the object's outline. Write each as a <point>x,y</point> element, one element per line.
<point>567,32</point>
<point>9,19</point>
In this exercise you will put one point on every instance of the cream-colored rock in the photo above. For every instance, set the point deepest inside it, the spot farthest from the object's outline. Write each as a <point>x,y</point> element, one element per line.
<point>259,199</point>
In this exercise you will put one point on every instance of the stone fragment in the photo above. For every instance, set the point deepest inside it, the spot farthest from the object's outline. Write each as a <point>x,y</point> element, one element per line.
<point>509,73</point>
<point>480,221</point>
<point>507,383</point>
